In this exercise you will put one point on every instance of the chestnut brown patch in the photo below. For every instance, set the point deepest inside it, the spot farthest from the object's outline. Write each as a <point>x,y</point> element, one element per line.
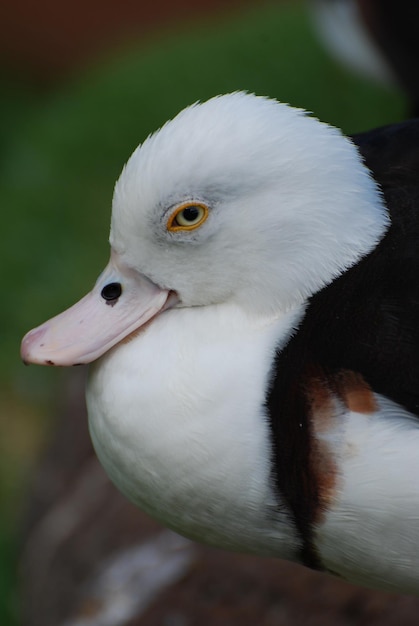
<point>355,393</point>
<point>322,408</point>
<point>326,471</point>
<point>324,393</point>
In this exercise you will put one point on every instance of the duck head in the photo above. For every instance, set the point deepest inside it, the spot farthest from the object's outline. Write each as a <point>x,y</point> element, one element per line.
<point>238,199</point>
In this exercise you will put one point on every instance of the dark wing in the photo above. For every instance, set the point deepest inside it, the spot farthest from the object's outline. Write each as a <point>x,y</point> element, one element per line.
<point>371,313</point>
<point>360,333</point>
<point>367,320</point>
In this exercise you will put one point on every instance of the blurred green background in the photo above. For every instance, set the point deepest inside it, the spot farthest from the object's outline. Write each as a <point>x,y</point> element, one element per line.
<point>63,143</point>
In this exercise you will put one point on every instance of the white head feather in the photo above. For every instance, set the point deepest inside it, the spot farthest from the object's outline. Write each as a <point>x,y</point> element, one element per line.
<point>291,204</point>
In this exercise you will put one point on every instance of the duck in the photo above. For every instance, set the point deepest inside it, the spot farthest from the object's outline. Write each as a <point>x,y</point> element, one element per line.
<point>253,341</point>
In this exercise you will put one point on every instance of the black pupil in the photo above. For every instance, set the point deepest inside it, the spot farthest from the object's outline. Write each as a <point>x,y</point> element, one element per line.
<point>190,214</point>
<point>111,291</point>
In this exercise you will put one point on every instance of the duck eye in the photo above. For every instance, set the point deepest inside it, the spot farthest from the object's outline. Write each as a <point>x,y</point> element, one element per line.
<point>188,217</point>
<point>111,292</point>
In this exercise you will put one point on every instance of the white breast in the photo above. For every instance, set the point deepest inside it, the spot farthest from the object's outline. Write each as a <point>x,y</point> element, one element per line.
<point>177,419</point>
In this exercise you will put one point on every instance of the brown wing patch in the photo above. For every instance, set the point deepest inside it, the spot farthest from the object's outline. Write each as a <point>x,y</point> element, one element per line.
<point>326,469</point>
<point>322,403</point>
<point>355,393</point>
<point>323,410</point>
<point>326,395</point>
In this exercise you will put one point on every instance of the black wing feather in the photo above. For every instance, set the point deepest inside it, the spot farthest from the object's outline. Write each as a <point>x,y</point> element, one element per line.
<point>366,321</point>
<point>374,307</point>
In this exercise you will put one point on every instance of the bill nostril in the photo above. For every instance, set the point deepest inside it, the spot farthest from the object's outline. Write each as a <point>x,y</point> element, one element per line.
<point>111,292</point>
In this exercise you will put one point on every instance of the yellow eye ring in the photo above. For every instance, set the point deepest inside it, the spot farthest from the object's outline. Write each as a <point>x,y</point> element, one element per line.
<point>188,216</point>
